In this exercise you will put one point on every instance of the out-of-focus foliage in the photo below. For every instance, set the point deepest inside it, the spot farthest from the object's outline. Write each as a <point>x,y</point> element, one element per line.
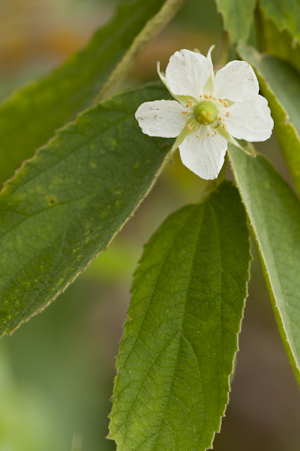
<point>30,117</point>
<point>275,42</point>
<point>230,10</point>
<point>26,414</point>
<point>286,15</point>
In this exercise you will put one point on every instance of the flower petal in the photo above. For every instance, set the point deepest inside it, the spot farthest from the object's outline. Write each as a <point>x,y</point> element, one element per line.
<point>251,120</point>
<point>187,73</point>
<point>163,118</point>
<point>237,82</point>
<point>203,155</point>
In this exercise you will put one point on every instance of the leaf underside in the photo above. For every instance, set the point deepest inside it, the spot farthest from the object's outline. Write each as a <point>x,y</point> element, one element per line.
<point>274,212</point>
<point>181,336</point>
<point>280,84</point>
<point>285,14</point>
<point>237,17</point>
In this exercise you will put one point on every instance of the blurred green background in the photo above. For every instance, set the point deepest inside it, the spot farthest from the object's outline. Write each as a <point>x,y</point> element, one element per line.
<point>57,370</point>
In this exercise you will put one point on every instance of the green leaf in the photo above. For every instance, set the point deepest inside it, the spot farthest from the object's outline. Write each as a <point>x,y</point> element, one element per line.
<point>181,336</point>
<point>237,17</point>
<point>285,14</point>
<point>65,204</point>
<point>274,212</point>
<point>280,44</point>
<point>31,116</point>
<point>280,84</point>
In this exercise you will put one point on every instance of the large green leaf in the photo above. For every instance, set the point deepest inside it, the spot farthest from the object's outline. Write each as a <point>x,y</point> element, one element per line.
<point>237,17</point>
<point>280,84</point>
<point>31,116</point>
<point>181,336</point>
<point>65,204</point>
<point>274,212</point>
<point>285,14</point>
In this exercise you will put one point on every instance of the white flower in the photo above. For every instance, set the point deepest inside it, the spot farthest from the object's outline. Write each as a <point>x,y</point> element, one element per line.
<point>208,111</point>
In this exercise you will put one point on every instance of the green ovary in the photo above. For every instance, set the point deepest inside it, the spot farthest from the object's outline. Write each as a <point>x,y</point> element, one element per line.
<point>206,113</point>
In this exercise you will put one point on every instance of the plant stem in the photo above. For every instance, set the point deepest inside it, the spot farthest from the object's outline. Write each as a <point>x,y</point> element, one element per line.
<point>151,29</point>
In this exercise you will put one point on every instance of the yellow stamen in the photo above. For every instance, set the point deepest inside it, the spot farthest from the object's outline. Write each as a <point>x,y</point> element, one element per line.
<point>197,136</point>
<point>189,126</point>
<point>191,102</point>
<point>186,118</point>
<point>208,134</point>
<point>227,114</point>
<point>184,112</point>
<point>225,104</point>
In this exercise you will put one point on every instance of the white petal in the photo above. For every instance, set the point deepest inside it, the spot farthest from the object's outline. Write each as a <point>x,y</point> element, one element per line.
<point>204,155</point>
<point>163,118</point>
<point>237,82</point>
<point>187,73</point>
<point>251,120</point>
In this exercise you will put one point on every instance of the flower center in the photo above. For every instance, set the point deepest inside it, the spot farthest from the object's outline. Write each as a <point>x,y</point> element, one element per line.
<point>206,113</point>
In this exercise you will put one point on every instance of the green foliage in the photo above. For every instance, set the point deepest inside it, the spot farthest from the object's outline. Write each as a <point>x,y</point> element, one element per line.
<point>285,14</point>
<point>280,84</point>
<point>65,205</point>
<point>31,116</point>
<point>24,420</point>
<point>180,339</point>
<point>274,213</point>
<point>280,44</point>
<point>237,17</point>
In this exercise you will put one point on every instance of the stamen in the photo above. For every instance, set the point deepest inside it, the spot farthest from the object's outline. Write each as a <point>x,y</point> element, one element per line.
<point>184,112</point>
<point>227,114</point>
<point>189,126</point>
<point>215,98</point>
<point>206,112</point>
<point>191,102</point>
<point>187,105</point>
<point>186,118</point>
<point>197,136</point>
<point>210,97</point>
<point>206,96</point>
<point>225,104</point>
<point>208,134</point>
<point>220,100</point>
